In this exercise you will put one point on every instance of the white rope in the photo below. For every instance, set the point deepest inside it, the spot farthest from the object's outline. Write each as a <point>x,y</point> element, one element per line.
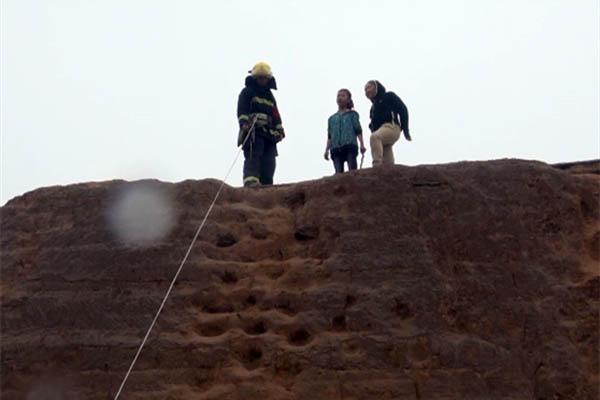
<point>183,262</point>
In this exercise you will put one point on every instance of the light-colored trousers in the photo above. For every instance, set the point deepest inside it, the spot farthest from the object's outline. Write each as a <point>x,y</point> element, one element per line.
<point>382,141</point>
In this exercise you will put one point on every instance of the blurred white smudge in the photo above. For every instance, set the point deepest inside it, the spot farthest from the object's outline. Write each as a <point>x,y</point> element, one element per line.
<point>141,214</point>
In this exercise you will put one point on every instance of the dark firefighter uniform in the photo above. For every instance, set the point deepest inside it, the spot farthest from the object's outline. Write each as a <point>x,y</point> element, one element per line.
<point>257,103</point>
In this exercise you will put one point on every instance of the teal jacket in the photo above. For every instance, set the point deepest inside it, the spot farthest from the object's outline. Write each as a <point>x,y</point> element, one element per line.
<point>342,130</point>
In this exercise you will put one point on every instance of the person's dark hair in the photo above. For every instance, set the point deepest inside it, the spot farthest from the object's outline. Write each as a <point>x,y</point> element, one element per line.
<point>350,102</point>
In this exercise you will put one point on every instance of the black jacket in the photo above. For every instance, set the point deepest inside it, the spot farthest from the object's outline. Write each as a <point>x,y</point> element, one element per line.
<point>258,102</point>
<point>388,107</point>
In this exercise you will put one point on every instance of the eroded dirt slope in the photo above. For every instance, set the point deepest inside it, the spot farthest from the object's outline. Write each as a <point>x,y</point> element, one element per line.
<point>462,281</point>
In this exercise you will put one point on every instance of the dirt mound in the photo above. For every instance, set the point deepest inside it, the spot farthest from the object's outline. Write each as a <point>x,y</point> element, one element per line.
<point>470,280</point>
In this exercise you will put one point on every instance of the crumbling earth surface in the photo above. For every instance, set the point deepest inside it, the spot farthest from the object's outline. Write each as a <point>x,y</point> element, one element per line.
<point>474,280</point>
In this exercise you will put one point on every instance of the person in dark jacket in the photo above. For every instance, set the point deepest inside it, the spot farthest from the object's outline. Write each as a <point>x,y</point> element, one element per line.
<point>343,128</point>
<point>389,118</point>
<point>257,109</point>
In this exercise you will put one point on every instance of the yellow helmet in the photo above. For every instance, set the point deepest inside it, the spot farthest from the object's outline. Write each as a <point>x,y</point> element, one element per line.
<point>261,69</point>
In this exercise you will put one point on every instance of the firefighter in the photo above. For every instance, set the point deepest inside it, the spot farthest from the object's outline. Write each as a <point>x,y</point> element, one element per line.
<point>259,117</point>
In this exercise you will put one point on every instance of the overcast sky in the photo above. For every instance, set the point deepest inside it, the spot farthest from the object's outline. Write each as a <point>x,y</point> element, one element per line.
<point>105,89</point>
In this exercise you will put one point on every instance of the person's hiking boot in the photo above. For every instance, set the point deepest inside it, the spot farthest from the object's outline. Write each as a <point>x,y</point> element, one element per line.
<point>251,181</point>
<point>252,184</point>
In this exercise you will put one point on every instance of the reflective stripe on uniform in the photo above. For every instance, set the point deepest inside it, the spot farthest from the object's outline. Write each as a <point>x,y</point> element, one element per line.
<point>260,100</point>
<point>262,119</point>
<point>251,179</point>
<point>243,117</point>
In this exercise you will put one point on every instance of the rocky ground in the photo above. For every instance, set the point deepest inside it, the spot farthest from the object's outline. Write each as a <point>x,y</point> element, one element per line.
<point>474,280</point>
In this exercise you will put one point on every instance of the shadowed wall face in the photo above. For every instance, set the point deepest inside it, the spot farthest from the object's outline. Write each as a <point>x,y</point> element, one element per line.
<point>469,280</point>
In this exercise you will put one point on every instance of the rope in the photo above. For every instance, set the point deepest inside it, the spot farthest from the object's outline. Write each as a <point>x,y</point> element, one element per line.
<point>137,354</point>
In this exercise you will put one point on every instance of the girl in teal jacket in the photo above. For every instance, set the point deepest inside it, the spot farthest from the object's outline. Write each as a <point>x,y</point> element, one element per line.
<point>343,130</point>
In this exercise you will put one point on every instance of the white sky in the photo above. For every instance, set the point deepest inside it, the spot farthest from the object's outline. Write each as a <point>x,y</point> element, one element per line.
<point>105,89</point>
